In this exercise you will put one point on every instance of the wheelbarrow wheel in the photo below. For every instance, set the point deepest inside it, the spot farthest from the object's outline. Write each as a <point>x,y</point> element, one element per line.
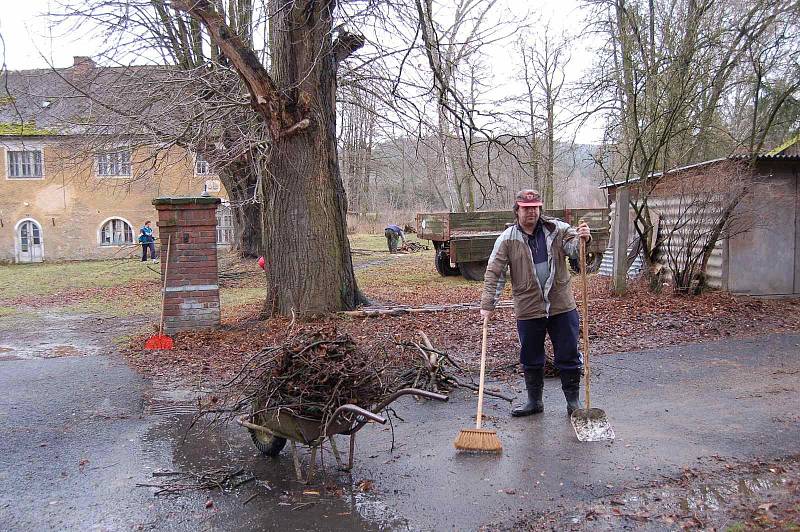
<point>267,443</point>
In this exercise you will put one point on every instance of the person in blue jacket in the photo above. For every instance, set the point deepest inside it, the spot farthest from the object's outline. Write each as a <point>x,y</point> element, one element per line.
<point>394,234</point>
<point>147,240</point>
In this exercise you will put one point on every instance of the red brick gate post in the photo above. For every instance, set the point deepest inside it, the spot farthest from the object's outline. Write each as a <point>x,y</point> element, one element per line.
<point>189,224</point>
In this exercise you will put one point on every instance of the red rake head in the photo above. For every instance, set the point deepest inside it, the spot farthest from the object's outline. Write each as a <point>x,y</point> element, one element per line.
<point>158,342</point>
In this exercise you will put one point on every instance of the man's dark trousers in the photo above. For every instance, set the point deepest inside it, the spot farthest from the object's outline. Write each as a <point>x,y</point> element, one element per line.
<point>152,247</point>
<point>563,330</point>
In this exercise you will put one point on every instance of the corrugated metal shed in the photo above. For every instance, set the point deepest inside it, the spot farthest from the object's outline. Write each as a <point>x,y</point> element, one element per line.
<point>669,210</point>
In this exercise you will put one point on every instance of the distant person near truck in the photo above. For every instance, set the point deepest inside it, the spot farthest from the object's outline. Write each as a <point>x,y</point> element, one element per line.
<point>394,235</point>
<point>148,241</point>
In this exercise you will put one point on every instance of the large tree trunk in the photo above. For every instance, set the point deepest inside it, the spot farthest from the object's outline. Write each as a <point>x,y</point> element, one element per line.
<point>247,225</point>
<point>240,183</point>
<point>309,268</point>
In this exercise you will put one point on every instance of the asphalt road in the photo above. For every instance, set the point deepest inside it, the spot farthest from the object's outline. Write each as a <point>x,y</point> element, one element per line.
<point>81,430</point>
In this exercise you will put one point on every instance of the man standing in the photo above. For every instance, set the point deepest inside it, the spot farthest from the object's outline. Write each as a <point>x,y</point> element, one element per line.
<point>536,249</point>
<point>147,240</point>
<point>394,234</point>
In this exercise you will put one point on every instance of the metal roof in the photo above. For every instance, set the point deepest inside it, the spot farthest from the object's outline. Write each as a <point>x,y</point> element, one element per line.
<point>788,151</point>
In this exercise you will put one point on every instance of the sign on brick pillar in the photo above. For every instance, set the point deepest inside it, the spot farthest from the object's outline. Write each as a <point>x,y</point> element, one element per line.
<point>191,300</point>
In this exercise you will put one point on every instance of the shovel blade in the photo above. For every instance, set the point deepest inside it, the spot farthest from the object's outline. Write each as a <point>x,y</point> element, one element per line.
<point>591,425</point>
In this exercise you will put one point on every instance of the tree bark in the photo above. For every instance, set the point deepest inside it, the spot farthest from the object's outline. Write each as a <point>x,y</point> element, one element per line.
<point>309,268</point>
<point>308,264</point>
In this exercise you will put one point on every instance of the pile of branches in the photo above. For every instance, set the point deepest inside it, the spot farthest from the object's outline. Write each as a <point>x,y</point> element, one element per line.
<point>433,370</point>
<point>315,372</point>
<point>412,247</point>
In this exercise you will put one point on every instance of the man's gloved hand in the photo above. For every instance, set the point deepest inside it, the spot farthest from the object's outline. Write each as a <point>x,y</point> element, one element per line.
<point>486,314</point>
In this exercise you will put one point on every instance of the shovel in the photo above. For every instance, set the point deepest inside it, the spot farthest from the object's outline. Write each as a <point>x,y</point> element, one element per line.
<point>590,424</point>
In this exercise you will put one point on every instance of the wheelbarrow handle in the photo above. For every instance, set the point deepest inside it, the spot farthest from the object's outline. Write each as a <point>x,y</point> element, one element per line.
<point>354,410</point>
<point>411,391</point>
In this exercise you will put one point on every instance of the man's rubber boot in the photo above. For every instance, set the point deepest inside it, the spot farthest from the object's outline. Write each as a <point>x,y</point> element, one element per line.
<point>534,383</point>
<point>571,384</point>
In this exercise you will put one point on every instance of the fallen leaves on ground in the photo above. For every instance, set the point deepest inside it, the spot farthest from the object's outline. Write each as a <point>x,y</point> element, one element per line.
<point>742,496</point>
<point>638,320</point>
<point>138,291</point>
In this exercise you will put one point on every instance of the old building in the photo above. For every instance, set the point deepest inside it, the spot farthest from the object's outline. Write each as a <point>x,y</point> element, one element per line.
<point>66,193</point>
<point>759,250</point>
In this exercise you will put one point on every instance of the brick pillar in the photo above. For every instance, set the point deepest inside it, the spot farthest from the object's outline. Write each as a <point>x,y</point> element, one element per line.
<point>189,225</point>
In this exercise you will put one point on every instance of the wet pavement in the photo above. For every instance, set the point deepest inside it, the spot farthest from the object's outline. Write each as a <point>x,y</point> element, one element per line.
<point>81,430</point>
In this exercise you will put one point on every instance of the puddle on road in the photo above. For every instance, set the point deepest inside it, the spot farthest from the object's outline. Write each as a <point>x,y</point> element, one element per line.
<point>46,350</point>
<point>53,336</point>
<point>331,502</point>
<point>714,497</point>
<point>7,353</point>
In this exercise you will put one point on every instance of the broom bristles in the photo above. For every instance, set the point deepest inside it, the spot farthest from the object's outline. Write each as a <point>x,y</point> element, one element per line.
<point>480,440</point>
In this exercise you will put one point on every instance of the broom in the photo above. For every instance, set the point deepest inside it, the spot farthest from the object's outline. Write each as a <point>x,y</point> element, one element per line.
<point>479,439</point>
<point>161,341</point>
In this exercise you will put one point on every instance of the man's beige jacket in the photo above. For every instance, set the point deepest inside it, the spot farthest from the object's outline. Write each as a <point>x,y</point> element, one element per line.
<point>531,300</point>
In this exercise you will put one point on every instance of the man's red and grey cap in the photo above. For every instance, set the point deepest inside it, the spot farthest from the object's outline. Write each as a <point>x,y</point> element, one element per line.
<point>528,198</point>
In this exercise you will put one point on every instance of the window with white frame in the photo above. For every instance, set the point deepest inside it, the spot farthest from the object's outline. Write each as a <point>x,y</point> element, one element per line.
<point>114,163</point>
<point>24,164</point>
<point>116,232</point>
<point>224,224</point>
<point>201,166</point>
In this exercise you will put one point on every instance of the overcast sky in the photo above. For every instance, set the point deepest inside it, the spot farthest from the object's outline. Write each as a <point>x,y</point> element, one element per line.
<point>32,42</point>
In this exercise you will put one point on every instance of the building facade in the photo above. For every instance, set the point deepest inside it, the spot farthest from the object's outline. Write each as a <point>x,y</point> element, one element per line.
<point>52,211</point>
<point>68,193</point>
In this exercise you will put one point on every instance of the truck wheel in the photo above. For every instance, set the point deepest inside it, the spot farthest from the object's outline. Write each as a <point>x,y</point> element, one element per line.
<point>443,264</point>
<point>268,444</point>
<point>593,262</point>
<point>473,271</point>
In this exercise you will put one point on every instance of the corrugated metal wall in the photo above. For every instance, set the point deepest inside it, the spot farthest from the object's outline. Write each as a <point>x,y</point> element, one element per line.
<point>669,209</point>
<point>702,220</point>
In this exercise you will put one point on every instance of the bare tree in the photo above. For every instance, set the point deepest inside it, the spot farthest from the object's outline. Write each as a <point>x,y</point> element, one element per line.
<point>662,79</point>
<point>190,98</point>
<point>689,206</point>
<point>544,62</point>
<point>451,49</point>
<point>356,140</point>
<point>308,254</point>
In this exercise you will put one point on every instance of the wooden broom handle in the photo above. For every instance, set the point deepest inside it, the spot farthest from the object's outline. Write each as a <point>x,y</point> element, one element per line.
<point>483,371</point>
<point>164,291</point>
<point>585,319</point>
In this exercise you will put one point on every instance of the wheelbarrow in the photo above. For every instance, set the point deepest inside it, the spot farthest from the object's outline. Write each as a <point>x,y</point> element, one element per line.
<point>271,427</point>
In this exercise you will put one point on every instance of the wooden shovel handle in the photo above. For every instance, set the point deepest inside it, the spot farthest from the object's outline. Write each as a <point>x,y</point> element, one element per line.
<point>483,371</point>
<point>585,321</point>
<point>164,291</point>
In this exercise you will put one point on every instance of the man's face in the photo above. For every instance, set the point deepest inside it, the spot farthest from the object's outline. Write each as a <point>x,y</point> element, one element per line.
<point>528,216</point>
<point>147,224</point>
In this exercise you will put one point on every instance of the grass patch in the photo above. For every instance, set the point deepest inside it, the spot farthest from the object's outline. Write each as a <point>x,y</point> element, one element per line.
<point>368,242</point>
<point>7,311</point>
<point>371,248</point>
<point>121,307</point>
<point>235,297</point>
<point>48,278</point>
<point>127,287</point>
<point>408,271</point>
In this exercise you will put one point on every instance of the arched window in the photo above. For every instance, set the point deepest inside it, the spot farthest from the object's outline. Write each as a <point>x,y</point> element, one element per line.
<point>116,232</point>
<point>224,224</point>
